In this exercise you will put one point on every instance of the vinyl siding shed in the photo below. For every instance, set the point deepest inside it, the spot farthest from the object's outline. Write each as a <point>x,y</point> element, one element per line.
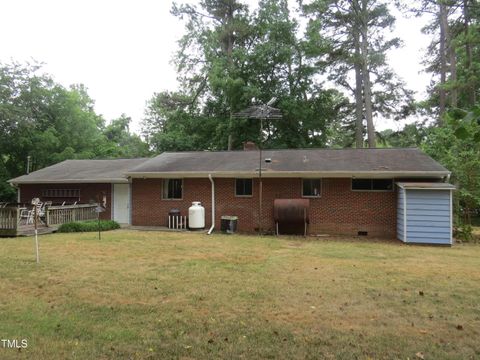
<point>424,213</point>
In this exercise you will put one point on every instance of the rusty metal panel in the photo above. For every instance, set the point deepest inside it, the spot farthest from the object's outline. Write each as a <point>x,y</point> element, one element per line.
<point>291,215</point>
<point>291,210</point>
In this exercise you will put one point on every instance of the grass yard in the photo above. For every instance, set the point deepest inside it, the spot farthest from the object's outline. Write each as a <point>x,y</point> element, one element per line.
<point>150,295</point>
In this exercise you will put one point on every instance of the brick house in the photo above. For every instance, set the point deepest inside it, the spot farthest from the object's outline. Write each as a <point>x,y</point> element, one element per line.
<point>350,191</point>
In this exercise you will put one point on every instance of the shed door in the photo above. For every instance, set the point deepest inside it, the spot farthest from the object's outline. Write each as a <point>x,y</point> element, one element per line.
<point>121,203</point>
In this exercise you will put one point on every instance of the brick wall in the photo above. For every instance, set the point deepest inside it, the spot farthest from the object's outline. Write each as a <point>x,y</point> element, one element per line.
<point>339,210</point>
<point>149,209</point>
<point>88,193</point>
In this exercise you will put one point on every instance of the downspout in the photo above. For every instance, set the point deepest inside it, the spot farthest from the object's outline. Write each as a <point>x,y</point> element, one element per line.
<point>130,200</point>
<point>213,204</point>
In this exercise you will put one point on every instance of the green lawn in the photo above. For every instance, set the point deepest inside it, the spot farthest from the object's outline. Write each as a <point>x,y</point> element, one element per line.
<point>151,295</point>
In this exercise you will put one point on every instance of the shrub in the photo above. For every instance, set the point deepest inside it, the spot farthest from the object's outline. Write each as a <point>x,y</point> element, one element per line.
<point>463,232</point>
<point>86,226</point>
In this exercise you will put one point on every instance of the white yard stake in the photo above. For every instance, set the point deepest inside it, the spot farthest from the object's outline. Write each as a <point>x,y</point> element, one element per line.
<point>36,246</point>
<point>36,233</point>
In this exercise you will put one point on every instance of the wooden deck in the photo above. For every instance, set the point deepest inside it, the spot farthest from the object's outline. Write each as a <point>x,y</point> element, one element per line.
<point>13,223</point>
<point>29,230</point>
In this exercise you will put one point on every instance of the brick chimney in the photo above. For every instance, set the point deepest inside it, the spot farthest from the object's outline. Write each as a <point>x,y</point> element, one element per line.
<point>249,146</point>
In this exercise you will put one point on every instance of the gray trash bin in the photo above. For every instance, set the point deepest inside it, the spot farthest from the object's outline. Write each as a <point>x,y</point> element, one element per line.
<point>229,224</point>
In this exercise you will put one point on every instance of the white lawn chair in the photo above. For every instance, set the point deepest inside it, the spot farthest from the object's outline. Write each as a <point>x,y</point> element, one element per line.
<point>39,211</point>
<point>24,213</point>
<point>27,214</point>
<point>30,214</point>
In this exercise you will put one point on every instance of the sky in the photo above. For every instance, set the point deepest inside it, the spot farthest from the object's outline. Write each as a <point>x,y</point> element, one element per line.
<point>121,50</point>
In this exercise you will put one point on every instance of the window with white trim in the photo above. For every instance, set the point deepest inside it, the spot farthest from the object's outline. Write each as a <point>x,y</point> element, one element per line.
<point>311,187</point>
<point>172,189</point>
<point>243,187</point>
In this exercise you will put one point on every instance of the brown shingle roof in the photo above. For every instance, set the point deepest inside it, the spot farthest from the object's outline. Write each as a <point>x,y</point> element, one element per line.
<point>81,171</point>
<point>284,163</point>
<point>349,162</point>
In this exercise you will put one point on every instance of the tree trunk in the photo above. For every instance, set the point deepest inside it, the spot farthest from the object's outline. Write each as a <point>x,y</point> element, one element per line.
<point>453,76</point>
<point>453,64</point>
<point>471,96</point>
<point>229,52</point>
<point>443,61</point>
<point>368,107</point>
<point>358,93</point>
<point>366,77</point>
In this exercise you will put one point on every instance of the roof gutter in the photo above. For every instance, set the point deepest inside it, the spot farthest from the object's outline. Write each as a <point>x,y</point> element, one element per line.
<point>213,204</point>
<point>289,174</point>
<point>14,182</point>
<point>426,186</point>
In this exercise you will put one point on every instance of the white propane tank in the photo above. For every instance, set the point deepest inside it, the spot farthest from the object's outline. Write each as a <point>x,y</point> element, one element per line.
<point>196,216</point>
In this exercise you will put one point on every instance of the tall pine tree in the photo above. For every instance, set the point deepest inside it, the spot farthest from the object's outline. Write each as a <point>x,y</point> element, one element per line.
<point>352,52</point>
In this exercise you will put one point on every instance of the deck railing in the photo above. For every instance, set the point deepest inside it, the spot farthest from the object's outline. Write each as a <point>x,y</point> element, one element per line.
<point>57,215</point>
<point>9,221</point>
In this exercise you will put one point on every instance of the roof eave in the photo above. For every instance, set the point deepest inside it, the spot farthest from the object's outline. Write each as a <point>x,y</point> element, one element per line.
<point>70,181</point>
<point>410,186</point>
<point>289,174</point>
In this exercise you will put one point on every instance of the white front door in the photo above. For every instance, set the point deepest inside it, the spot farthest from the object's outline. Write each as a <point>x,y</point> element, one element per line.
<point>121,203</point>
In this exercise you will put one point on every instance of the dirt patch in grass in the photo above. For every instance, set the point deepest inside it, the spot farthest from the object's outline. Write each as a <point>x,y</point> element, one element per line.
<point>155,295</point>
